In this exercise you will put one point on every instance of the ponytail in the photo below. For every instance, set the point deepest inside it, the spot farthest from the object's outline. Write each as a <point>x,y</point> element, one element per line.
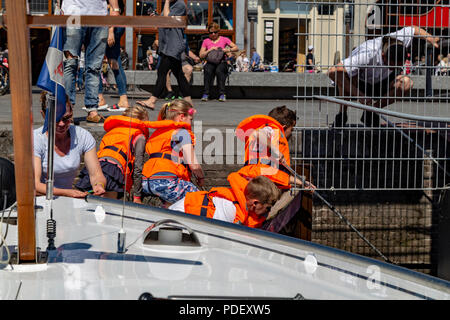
<point>171,109</point>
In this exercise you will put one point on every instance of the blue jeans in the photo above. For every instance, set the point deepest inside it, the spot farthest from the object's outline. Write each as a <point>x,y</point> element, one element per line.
<point>94,40</point>
<point>121,80</point>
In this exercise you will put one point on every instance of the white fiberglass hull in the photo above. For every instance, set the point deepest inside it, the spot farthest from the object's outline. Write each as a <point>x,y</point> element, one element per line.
<point>230,262</point>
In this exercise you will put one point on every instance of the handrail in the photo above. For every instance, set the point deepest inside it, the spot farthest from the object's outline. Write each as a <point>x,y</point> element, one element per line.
<point>118,21</point>
<point>382,111</point>
<point>101,21</point>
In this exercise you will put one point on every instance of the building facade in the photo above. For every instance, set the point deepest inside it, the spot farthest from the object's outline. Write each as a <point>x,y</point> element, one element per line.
<point>285,29</point>
<point>281,30</point>
<point>200,13</point>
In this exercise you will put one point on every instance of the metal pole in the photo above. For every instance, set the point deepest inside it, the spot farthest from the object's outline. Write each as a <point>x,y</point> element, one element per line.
<point>430,69</point>
<point>51,106</point>
<point>329,205</point>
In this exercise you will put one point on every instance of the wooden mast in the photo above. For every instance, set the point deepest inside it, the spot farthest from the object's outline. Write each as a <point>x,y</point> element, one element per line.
<point>22,120</point>
<point>21,102</point>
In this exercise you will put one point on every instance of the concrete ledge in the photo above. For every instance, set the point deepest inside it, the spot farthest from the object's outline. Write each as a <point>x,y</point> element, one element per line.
<point>273,79</point>
<point>247,79</point>
<point>274,85</point>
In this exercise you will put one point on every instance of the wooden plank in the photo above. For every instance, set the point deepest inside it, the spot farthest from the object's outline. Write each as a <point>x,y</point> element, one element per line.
<point>22,120</point>
<point>99,21</point>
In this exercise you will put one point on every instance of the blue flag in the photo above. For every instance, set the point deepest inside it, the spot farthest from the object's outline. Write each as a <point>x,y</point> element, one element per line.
<point>51,77</point>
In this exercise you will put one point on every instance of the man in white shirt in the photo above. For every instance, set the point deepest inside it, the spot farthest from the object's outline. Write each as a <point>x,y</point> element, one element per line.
<point>372,72</point>
<point>94,39</point>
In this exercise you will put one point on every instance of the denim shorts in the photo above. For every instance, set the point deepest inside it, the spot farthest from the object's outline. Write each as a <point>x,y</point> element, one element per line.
<point>169,189</point>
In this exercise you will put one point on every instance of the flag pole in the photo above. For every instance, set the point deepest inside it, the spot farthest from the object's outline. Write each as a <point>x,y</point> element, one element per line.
<point>52,103</point>
<point>51,223</point>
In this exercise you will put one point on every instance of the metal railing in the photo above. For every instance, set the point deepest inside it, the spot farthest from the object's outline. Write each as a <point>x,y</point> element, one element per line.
<point>387,170</point>
<point>374,149</point>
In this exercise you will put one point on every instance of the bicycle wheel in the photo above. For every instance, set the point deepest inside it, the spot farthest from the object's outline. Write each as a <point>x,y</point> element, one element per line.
<point>4,80</point>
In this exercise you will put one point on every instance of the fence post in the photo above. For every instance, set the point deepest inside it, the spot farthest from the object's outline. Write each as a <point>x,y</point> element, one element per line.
<point>443,263</point>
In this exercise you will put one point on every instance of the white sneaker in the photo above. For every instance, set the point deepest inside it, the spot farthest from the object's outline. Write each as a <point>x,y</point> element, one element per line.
<point>103,107</point>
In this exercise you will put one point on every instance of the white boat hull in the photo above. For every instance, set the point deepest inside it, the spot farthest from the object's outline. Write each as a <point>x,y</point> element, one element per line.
<point>231,262</point>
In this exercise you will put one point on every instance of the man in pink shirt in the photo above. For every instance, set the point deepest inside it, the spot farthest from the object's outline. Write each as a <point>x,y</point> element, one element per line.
<point>212,69</point>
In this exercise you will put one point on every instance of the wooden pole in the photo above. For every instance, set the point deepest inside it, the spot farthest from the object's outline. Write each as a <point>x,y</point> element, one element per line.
<point>21,105</point>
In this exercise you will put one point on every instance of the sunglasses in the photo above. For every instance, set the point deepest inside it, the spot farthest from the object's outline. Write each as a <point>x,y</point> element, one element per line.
<point>211,32</point>
<point>67,118</point>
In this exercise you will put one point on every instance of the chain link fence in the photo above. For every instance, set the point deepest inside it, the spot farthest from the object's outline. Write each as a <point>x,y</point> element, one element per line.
<point>385,171</point>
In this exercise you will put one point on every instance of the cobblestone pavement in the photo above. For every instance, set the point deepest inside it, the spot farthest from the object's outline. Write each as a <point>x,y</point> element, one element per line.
<point>228,114</point>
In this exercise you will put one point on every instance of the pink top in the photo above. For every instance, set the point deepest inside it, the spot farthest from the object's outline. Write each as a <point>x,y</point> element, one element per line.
<point>222,42</point>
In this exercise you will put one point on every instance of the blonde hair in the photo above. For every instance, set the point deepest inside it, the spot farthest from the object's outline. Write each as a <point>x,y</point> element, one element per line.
<point>262,189</point>
<point>137,112</point>
<point>171,109</point>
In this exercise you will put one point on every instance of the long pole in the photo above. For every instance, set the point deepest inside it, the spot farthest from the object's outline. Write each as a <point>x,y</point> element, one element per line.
<point>22,119</point>
<point>51,106</point>
<point>329,205</point>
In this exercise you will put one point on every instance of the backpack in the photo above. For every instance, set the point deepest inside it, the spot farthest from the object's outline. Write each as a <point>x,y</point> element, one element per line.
<point>215,56</point>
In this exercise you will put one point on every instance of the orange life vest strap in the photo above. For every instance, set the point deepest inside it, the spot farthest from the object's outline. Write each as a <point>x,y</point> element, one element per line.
<point>267,162</point>
<point>204,207</point>
<point>167,156</point>
<point>205,203</point>
<point>123,154</point>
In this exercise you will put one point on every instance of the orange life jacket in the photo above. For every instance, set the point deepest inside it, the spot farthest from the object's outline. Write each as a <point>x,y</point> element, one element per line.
<point>200,203</point>
<point>117,142</point>
<point>259,162</point>
<point>238,184</point>
<point>159,147</point>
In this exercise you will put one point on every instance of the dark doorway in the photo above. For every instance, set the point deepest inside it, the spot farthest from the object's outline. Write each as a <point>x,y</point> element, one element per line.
<point>39,43</point>
<point>287,46</point>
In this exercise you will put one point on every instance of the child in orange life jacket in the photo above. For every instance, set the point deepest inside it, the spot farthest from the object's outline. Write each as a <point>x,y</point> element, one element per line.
<point>121,153</point>
<point>266,145</point>
<point>167,173</point>
<point>266,149</point>
<point>249,207</point>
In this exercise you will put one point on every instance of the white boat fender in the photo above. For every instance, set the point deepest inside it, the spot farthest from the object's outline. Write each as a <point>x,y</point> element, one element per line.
<point>99,214</point>
<point>310,263</point>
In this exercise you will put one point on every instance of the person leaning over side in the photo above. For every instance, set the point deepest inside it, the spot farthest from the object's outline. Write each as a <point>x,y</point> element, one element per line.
<point>267,151</point>
<point>172,160</point>
<point>94,39</point>
<point>71,143</point>
<point>372,73</point>
<point>171,45</point>
<point>248,205</point>
<point>215,45</point>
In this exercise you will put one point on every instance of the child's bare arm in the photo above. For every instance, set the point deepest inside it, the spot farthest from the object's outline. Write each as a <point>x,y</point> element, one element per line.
<point>190,159</point>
